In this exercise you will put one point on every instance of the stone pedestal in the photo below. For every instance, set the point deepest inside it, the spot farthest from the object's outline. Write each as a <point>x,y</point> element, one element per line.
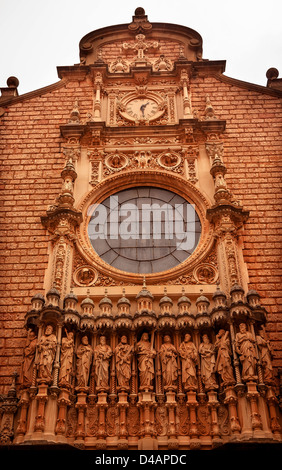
<point>192,405</point>
<point>81,407</point>
<point>146,403</point>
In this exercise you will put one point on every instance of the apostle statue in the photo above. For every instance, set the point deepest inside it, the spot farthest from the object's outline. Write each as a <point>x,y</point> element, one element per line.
<point>189,357</point>
<point>46,354</point>
<point>265,357</point>
<point>223,362</point>
<point>123,357</point>
<point>244,343</point>
<point>102,355</point>
<point>84,355</point>
<point>28,359</point>
<point>66,359</point>
<point>168,357</point>
<point>146,354</point>
<point>207,354</point>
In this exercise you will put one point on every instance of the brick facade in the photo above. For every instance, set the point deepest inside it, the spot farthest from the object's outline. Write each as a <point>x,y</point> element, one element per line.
<point>32,145</point>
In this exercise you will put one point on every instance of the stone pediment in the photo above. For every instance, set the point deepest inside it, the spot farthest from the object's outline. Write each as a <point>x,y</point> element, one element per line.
<point>140,41</point>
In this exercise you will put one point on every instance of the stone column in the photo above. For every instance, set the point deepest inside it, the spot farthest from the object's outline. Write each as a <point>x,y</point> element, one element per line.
<point>192,405</point>
<point>122,406</point>
<point>22,424</point>
<point>63,403</point>
<point>231,400</point>
<point>81,406</point>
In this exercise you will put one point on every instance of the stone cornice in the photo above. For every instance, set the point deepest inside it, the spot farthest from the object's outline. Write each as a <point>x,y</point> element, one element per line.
<point>248,85</point>
<point>34,94</point>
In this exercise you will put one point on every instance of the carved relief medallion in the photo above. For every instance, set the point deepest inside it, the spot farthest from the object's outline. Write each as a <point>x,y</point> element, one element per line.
<point>205,274</point>
<point>116,161</point>
<point>169,160</point>
<point>85,276</point>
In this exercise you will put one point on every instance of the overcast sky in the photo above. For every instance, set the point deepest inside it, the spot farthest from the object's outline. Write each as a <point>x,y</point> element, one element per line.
<point>38,35</point>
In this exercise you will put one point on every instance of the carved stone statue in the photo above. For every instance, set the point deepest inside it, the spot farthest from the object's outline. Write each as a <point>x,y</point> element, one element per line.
<point>28,359</point>
<point>146,354</point>
<point>46,351</point>
<point>84,355</point>
<point>102,355</point>
<point>223,362</point>
<point>168,357</point>
<point>189,356</point>
<point>244,343</point>
<point>66,359</point>
<point>207,353</point>
<point>123,357</point>
<point>265,357</point>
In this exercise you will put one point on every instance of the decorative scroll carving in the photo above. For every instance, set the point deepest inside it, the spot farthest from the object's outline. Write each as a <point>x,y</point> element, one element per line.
<point>204,419</point>
<point>162,64</point>
<point>183,427</point>
<point>92,420</point>
<point>161,419</point>
<point>119,66</point>
<point>133,420</point>
<point>223,421</point>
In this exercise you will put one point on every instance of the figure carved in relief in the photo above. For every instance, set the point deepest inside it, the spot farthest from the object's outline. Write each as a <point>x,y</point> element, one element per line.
<point>84,355</point>
<point>116,161</point>
<point>123,357</point>
<point>28,359</point>
<point>189,356</point>
<point>102,355</point>
<point>207,353</point>
<point>46,350</point>
<point>206,274</point>
<point>223,362</point>
<point>244,343</point>
<point>66,359</point>
<point>85,276</point>
<point>168,357</point>
<point>168,159</point>
<point>146,354</point>
<point>265,356</point>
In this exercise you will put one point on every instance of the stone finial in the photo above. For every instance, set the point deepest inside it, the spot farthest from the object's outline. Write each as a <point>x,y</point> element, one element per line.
<point>12,89</point>
<point>273,81</point>
<point>209,111</point>
<point>140,21</point>
<point>75,114</point>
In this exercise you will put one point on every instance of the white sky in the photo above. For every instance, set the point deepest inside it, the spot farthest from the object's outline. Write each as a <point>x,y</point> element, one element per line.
<point>38,35</point>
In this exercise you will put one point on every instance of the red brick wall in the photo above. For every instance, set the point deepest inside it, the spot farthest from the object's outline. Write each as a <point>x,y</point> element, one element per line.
<point>253,148</point>
<point>30,145</point>
<point>32,162</point>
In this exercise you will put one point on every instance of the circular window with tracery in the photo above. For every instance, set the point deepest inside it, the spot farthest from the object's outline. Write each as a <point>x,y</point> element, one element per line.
<point>144,229</point>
